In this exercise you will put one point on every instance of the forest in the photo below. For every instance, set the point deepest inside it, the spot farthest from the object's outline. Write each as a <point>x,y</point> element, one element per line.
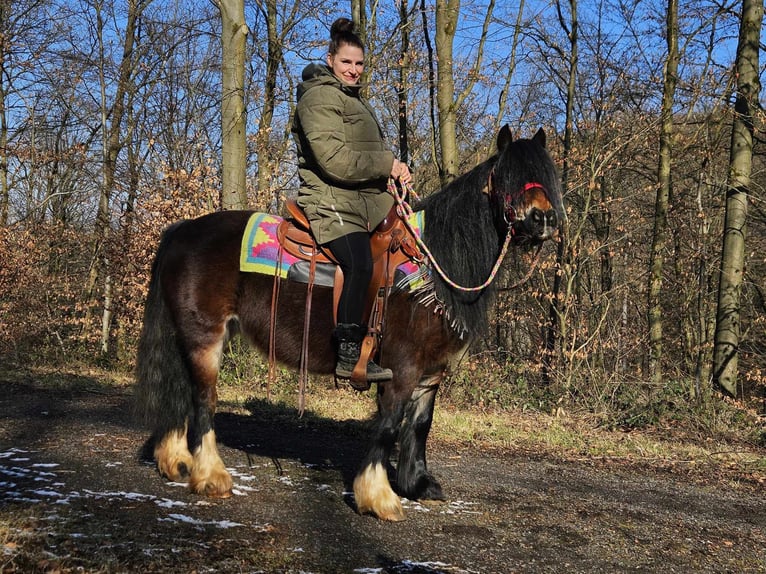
<point>113,125</point>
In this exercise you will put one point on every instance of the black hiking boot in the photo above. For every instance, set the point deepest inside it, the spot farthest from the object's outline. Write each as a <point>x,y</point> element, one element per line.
<point>349,337</point>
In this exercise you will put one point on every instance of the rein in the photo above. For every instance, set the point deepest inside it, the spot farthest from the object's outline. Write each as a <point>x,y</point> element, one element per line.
<point>404,210</point>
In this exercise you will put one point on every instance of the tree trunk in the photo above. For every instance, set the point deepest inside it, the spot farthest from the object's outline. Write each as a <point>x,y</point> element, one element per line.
<point>659,236</point>
<point>404,70</point>
<point>727,332</point>
<point>503,99</point>
<point>431,83</point>
<point>556,330</point>
<point>359,18</point>
<point>112,144</point>
<point>233,115</point>
<point>704,320</point>
<point>273,58</point>
<point>4,55</point>
<point>447,12</point>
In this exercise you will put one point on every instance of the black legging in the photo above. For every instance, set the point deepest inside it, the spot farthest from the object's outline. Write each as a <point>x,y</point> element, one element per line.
<point>353,253</point>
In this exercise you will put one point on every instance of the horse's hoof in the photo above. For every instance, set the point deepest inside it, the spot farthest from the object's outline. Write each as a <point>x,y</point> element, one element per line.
<point>373,494</point>
<point>174,461</point>
<point>215,485</point>
<point>431,490</point>
<point>393,513</point>
<point>176,470</point>
<point>390,510</point>
<point>210,490</point>
<point>216,494</point>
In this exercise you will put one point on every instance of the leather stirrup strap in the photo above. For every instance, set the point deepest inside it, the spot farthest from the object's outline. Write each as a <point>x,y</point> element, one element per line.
<point>273,325</point>
<point>304,366</point>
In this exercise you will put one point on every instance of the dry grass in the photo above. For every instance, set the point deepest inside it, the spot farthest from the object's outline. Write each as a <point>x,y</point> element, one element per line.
<point>678,445</point>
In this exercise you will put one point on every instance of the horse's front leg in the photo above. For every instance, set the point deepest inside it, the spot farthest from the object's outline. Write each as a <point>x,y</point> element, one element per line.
<point>208,474</point>
<point>413,479</point>
<point>372,490</point>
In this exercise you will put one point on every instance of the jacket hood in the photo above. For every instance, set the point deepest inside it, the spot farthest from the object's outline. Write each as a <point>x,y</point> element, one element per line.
<point>321,75</point>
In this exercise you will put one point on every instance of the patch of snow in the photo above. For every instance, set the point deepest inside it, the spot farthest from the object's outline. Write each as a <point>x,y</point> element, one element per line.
<point>198,522</point>
<point>286,480</point>
<point>12,452</point>
<point>241,476</point>
<point>421,567</point>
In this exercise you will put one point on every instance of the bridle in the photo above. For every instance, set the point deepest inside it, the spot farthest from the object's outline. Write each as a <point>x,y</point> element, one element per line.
<point>509,211</point>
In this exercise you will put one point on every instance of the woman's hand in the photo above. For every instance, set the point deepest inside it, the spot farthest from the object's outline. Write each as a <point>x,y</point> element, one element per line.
<point>401,172</point>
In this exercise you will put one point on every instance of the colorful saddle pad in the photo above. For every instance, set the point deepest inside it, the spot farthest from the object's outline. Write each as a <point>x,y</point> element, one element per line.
<point>260,246</point>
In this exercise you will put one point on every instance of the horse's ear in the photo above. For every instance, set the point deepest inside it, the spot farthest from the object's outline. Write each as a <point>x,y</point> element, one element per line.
<point>539,137</point>
<point>504,137</point>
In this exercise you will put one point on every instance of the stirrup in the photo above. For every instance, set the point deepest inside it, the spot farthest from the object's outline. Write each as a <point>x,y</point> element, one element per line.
<point>361,375</point>
<point>359,384</point>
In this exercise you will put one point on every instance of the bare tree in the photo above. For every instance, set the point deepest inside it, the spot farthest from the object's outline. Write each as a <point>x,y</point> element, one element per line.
<point>233,114</point>
<point>20,22</point>
<point>556,313</point>
<point>664,182</point>
<point>404,70</point>
<point>112,143</point>
<point>448,102</point>
<point>270,148</point>
<point>727,331</point>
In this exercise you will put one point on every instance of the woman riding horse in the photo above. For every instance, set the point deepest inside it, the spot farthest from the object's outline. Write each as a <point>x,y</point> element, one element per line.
<point>344,165</point>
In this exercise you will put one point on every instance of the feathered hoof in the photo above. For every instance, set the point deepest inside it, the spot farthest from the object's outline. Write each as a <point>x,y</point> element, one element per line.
<point>373,494</point>
<point>174,461</point>
<point>176,469</point>
<point>215,484</point>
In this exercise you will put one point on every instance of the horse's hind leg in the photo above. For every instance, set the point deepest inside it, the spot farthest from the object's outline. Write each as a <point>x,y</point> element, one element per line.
<point>208,474</point>
<point>163,390</point>
<point>413,479</point>
<point>372,491</point>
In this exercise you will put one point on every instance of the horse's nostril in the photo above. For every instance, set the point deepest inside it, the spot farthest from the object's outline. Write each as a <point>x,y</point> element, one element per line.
<point>552,218</point>
<point>538,216</point>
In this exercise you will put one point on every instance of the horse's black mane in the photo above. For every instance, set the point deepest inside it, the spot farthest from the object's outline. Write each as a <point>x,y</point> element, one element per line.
<point>465,229</point>
<point>460,233</point>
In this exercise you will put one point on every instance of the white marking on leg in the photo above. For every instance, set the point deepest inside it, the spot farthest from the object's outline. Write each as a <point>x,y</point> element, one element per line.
<point>209,475</point>
<point>374,495</point>
<point>174,461</point>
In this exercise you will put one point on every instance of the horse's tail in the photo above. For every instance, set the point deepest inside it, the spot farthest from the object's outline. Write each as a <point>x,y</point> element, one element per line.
<point>163,397</point>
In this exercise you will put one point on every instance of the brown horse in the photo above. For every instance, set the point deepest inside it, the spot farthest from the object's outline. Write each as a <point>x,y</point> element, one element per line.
<point>198,298</point>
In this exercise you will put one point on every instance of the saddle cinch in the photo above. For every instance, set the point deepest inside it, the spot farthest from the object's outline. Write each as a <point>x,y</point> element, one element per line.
<point>391,244</point>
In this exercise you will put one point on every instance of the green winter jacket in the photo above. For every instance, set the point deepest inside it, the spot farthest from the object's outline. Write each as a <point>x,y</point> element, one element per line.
<point>343,162</point>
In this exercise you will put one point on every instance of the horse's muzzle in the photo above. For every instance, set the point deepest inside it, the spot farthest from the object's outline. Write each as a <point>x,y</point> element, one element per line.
<point>538,225</point>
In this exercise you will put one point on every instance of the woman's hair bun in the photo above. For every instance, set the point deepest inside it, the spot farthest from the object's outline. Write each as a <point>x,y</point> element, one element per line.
<point>341,27</point>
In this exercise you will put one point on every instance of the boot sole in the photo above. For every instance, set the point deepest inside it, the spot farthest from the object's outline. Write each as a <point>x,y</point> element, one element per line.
<point>371,378</point>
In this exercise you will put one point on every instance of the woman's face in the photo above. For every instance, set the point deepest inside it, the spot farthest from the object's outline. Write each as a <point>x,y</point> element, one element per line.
<point>347,63</point>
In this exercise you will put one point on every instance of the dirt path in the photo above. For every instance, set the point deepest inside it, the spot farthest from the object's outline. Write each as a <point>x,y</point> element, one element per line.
<point>75,497</point>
